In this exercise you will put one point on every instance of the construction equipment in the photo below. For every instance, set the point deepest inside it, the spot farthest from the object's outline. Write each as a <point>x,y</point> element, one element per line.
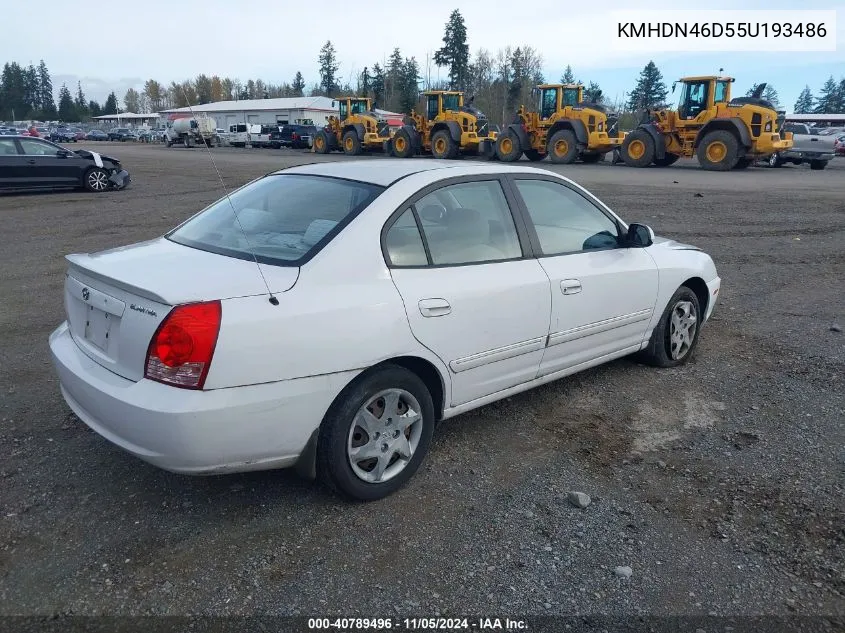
<point>723,133</point>
<point>356,128</point>
<point>446,128</point>
<point>564,128</point>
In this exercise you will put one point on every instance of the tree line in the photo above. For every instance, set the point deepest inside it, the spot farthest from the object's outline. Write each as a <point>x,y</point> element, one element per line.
<point>498,81</point>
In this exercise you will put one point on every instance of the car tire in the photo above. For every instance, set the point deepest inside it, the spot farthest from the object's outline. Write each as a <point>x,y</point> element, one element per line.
<point>442,145</point>
<point>96,180</point>
<point>718,151</point>
<point>817,165</point>
<point>356,420</point>
<point>508,147</point>
<point>671,344</point>
<point>563,147</point>
<point>775,160</point>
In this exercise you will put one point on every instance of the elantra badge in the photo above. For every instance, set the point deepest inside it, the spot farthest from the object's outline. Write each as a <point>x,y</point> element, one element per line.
<point>85,294</point>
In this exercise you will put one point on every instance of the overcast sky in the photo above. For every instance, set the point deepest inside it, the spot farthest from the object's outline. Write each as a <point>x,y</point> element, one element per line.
<point>122,44</point>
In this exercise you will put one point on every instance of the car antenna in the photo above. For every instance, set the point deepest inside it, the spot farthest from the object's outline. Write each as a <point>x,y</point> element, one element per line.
<point>273,300</point>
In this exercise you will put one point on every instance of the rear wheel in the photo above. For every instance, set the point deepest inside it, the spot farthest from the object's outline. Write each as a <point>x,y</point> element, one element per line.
<point>718,151</point>
<point>668,159</point>
<point>563,147</point>
<point>351,143</point>
<point>96,180</point>
<point>508,147</point>
<point>638,149</point>
<point>403,144</point>
<point>676,335</point>
<point>442,145</point>
<point>321,142</point>
<point>376,434</point>
<point>818,164</point>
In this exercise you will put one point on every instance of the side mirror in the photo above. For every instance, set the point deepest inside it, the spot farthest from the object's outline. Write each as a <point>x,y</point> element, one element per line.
<point>334,104</point>
<point>639,236</point>
<point>63,153</point>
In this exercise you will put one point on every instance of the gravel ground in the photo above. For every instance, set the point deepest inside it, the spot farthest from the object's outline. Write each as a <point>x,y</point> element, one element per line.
<point>720,484</point>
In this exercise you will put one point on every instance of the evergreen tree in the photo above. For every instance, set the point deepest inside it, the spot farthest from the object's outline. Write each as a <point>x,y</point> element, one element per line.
<point>364,83</point>
<point>409,85</point>
<point>771,95</point>
<point>32,91</point>
<point>298,86</point>
<point>650,91</point>
<point>94,108</point>
<point>13,91</point>
<point>67,109</point>
<point>455,51</point>
<point>46,100</point>
<point>328,68</point>
<point>829,98</point>
<point>81,103</point>
<point>110,106</point>
<point>841,91</point>
<point>377,84</point>
<point>568,76</point>
<point>804,105</point>
<point>593,93</point>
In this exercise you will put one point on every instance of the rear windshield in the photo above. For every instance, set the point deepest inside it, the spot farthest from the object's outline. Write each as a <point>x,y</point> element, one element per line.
<point>282,219</point>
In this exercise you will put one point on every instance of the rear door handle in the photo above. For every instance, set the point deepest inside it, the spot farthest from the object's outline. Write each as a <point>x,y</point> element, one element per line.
<point>570,286</point>
<point>434,307</point>
<point>31,161</point>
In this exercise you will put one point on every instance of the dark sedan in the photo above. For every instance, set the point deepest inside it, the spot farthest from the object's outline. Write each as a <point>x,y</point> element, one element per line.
<point>63,135</point>
<point>28,163</point>
<point>96,135</point>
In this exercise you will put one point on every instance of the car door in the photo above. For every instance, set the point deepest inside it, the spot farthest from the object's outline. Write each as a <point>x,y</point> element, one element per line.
<point>12,172</point>
<point>51,165</point>
<point>603,293</point>
<point>471,296</point>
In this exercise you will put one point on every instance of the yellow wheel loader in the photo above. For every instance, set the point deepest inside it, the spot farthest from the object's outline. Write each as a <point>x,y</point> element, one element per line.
<point>564,128</point>
<point>723,133</point>
<point>446,128</point>
<point>356,128</point>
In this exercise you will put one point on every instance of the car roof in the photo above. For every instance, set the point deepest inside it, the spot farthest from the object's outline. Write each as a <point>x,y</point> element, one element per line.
<point>385,172</point>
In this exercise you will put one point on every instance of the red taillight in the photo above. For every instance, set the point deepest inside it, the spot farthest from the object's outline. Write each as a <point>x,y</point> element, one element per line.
<point>295,136</point>
<point>181,349</point>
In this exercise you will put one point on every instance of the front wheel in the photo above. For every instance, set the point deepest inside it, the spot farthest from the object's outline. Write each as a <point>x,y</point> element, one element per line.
<point>508,147</point>
<point>403,144</point>
<point>718,151</point>
<point>563,147</point>
<point>775,160</point>
<point>321,142</point>
<point>638,149</point>
<point>96,180</point>
<point>376,434</point>
<point>351,143</point>
<point>676,335</point>
<point>442,145</point>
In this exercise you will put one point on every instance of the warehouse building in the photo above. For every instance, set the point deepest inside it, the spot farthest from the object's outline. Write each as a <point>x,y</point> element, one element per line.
<point>308,110</point>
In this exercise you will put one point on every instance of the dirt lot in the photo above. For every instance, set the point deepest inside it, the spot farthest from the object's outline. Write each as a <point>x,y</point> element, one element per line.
<point>720,483</point>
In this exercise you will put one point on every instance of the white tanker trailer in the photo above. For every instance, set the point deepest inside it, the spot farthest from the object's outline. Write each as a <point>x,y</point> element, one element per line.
<point>189,131</point>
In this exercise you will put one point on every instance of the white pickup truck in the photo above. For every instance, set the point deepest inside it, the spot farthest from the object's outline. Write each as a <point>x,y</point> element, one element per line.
<point>806,148</point>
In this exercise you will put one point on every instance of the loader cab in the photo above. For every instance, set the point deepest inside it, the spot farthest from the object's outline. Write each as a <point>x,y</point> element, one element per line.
<point>348,107</point>
<point>438,102</point>
<point>555,97</point>
<point>702,93</point>
<point>572,96</point>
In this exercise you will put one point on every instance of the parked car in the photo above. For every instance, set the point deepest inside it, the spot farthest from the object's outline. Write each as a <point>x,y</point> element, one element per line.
<point>815,149</point>
<point>121,134</point>
<point>96,135</point>
<point>34,163</point>
<point>144,135</point>
<point>63,135</point>
<point>294,136</point>
<point>80,134</point>
<point>398,296</point>
<point>839,145</point>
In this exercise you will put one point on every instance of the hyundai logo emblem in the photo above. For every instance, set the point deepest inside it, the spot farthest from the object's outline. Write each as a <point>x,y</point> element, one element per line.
<point>86,293</point>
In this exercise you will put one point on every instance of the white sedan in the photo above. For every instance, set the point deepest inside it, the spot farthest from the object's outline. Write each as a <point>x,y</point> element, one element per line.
<point>327,316</point>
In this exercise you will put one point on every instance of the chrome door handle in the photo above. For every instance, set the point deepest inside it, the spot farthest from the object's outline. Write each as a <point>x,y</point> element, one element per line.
<point>570,286</point>
<point>434,307</point>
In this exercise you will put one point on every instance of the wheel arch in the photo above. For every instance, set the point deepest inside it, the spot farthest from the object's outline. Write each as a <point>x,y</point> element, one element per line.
<point>573,125</point>
<point>521,134</point>
<point>423,368</point>
<point>358,128</point>
<point>699,287</point>
<point>451,126</point>
<point>657,135</point>
<point>734,126</point>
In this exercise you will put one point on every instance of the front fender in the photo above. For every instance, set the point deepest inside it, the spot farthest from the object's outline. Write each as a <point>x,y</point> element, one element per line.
<point>734,125</point>
<point>657,135</point>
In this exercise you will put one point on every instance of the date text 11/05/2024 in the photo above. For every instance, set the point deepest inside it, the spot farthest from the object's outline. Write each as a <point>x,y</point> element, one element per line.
<point>343,625</point>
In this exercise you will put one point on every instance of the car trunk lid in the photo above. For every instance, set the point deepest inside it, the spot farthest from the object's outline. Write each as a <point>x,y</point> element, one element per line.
<point>115,300</point>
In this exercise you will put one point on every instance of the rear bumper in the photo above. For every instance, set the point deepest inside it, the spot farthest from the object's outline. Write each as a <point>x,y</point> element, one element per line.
<point>801,155</point>
<point>254,427</point>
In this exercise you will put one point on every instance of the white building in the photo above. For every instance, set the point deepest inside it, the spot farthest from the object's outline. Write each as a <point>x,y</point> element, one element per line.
<point>309,110</point>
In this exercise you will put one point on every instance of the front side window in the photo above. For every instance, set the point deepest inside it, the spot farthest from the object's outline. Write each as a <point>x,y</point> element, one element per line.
<point>564,220</point>
<point>7,147</point>
<point>451,102</point>
<point>358,107</point>
<point>32,147</point>
<point>693,99</point>
<point>343,110</point>
<point>432,109</point>
<point>548,103</point>
<point>570,96</point>
<point>281,219</point>
<point>721,94</point>
<point>468,223</point>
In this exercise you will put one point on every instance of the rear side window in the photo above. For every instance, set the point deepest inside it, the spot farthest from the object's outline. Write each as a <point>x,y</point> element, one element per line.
<point>403,242</point>
<point>7,147</point>
<point>283,219</point>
